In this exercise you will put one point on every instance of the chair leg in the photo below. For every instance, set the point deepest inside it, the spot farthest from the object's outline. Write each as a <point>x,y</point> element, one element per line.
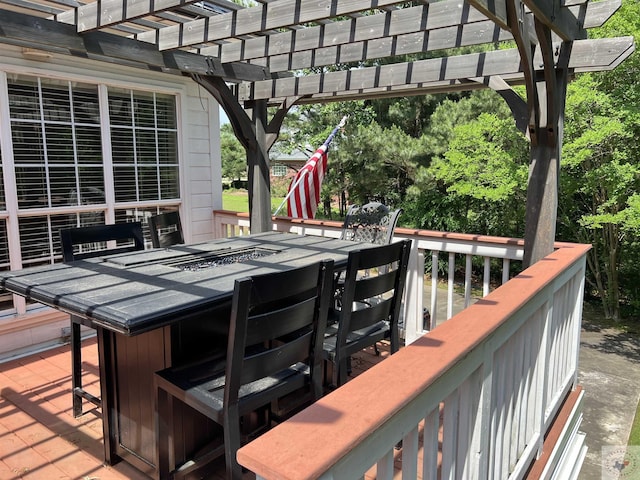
<point>78,393</point>
<point>232,444</point>
<point>342,367</point>
<point>76,368</point>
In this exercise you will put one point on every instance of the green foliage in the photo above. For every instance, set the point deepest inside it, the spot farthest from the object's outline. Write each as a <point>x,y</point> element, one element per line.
<point>485,161</point>
<point>600,175</point>
<point>411,114</point>
<point>233,155</point>
<point>473,169</point>
<point>451,113</point>
<point>373,163</point>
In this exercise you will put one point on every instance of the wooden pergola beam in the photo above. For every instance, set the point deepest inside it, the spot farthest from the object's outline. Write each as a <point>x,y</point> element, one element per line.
<point>48,35</point>
<point>254,20</point>
<point>567,24</point>
<point>586,54</point>
<point>448,34</point>
<point>388,25</point>
<point>104,13</point>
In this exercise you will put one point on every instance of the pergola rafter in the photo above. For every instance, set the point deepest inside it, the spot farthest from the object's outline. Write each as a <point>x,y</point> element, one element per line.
<point>261,56</point>
<point>422,74</point>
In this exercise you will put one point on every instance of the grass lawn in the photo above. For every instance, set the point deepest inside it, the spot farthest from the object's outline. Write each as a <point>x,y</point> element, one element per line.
<point>238,201</point>
<point>634,436</point>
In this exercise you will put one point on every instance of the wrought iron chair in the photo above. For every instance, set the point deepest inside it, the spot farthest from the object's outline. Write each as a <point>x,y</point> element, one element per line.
<point>370,306</point>
<point>372,222</point>
<point>274,348</point>
<point>72,240</point>
<point>165,229</point>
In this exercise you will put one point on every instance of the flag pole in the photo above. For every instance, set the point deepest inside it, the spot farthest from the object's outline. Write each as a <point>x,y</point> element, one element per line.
<point>326,143</point>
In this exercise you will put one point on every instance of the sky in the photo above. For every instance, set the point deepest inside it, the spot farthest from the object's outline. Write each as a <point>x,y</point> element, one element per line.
<point>223,117</point>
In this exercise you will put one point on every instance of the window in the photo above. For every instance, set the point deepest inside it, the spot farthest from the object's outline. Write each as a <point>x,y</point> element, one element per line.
<point>56,139</point>
<point>57,132</point>
<point>278,170</point>
<point>145,146</point>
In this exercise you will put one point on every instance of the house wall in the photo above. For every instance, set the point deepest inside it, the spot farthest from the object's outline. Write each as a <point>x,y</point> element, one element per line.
<point>199,166</point>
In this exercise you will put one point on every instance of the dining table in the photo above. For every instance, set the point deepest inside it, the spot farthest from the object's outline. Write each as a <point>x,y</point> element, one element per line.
<point>158,308</point>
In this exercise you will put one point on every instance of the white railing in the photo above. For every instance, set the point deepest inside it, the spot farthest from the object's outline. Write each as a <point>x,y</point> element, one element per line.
<point>472,398</point>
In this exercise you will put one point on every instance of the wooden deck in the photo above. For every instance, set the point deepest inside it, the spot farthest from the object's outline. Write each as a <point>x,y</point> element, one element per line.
<point>40,439</point>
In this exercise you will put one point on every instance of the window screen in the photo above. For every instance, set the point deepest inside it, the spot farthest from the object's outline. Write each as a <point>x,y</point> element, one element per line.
<point>145,146</point>
<point>56,143</point>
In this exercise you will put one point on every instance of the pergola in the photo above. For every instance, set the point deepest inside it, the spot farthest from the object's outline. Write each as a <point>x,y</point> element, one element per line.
<point>257,57</point>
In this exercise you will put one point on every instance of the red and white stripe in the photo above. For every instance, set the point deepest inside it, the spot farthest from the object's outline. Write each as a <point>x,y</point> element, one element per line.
<point>304,191</point>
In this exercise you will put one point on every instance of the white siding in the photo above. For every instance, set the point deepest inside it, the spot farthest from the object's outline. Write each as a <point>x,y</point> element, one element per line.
<point>202,172</point>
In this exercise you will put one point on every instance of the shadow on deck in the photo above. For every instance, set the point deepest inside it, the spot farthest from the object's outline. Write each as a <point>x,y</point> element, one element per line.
<point>39,438</point>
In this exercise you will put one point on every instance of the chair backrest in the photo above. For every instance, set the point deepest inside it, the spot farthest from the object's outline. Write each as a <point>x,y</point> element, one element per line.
<point>373,287</point>
<point>165,229</point>
<point>372,222</point>
<point>94,239</point>
<point>277,320</point>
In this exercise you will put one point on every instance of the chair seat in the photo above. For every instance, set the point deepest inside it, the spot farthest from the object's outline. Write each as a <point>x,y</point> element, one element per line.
<point>374,333</point>
<point>205,392</point>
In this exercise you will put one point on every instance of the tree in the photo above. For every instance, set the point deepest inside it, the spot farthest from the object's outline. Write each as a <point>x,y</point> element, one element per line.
<point>374,163</point>
<point>600,178</point>
<point>233,155</point>
<point>486,167</point>
<point>599,174</point>
<point>454,155</point>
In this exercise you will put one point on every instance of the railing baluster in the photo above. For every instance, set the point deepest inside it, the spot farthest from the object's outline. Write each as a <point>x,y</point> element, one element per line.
<point>487,398</point>
<point>431,445</point>
<point>486,277</point>
<point>410,445</point>
<point>385,467</point>
<point>506,263</point>
<point>450,427</point>
<point>468,271</point>
<point>450,284</point>
<point>434,288</point>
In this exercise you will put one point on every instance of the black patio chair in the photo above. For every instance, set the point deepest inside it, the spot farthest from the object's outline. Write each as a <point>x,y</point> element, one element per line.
<point>165,229</point>
<point>371,301</point>
<point>274,348</point>
<point>88,242</point>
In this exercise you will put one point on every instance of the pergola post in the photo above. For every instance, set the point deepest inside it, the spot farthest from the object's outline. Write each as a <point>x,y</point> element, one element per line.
<point>542,199</point>
<point>546,145</point>
<point>257,135</point>
<point>546,86</point>
<point>258,169</point>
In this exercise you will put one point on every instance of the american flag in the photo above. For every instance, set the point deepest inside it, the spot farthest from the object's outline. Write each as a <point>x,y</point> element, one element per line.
<point>304,192</point>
